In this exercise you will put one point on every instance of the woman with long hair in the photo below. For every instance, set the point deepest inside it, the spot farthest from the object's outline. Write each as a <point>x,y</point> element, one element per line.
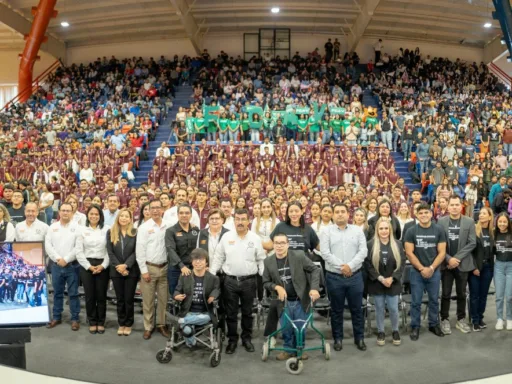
<point>503,270</point>
<point>7,232</point>
<point>124,270</point>
<point>384,266</point>
<point>403,216</point>
<point>325,219</point>
<point>360,220</point>
<point>480,279</point>
<point>266,222</point>
<point>46,202</point>
<point>144,215</point>
<point>78,217</point>
<point>91,253</point>
<point>384,210</point>
<point>371,207</point>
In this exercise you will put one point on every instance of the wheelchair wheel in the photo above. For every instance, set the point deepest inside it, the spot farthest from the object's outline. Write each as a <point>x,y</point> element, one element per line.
<point>215,359</point>
<point>164,357</point>
<point>294,366</point>
<point>327,351</point>
<point>264,352</point>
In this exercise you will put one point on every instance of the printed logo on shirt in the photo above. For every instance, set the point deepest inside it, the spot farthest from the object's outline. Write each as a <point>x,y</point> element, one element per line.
<point>151,231</point>
<point>231,242</point>
<point>250,245</point>
<point>194,233</point>
<point>203,242</point>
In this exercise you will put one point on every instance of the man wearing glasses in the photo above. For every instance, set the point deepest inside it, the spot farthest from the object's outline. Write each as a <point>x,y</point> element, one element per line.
<point>240,256</point>
<point>180,241</point>
<point>153,264</point>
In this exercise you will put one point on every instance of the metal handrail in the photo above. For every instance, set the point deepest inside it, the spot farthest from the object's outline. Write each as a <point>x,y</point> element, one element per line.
<point>35,83</point>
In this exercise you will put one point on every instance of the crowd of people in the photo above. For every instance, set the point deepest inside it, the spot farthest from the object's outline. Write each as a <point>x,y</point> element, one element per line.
<point>242,179</point>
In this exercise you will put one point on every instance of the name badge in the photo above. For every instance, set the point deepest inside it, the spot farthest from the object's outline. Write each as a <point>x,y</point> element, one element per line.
<point>55,230</point>
<point>151,231</point>
<point>231,242</point>
<point>203,242</point>
<point>179,234</point>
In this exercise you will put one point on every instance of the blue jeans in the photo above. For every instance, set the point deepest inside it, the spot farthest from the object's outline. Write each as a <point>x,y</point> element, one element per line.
<point>337,137</point>
<point>60,278</point>
<point>187,325</point>
<point>296,313</point>
<point>49,215</point>
<point>387,139</point>
<point>507,148</point>
<point>396,136</point>
<point>20,292</point>
<point>224,137</point>
<point>423,166</point>
<point>173,275</point>
<point>211,136</point>
<point>233,135</point>
<point>326,137</point>
<point>418,286</point>
<point>255,135</point>
<point>351,289</point>
<point>313,136</point>
<point>407,149</point>
<point>380,311</point>
<point>503,285</point>
<point>478,291</point>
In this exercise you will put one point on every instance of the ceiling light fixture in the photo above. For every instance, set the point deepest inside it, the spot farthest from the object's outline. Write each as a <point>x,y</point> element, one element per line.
<point>487,25</point>
<point>275,10</point>
<point>65,24</point>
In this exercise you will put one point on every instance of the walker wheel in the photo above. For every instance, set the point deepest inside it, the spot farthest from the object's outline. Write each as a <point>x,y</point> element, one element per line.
<point>164,357</point>
<point>294,366</point>
<point>264,352</point>
<point>327,351</point>
<point>215,359</point>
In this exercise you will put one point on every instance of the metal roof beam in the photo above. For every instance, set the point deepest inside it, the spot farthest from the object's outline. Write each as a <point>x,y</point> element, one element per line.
<point>361,23</point>
<point>189,23</point>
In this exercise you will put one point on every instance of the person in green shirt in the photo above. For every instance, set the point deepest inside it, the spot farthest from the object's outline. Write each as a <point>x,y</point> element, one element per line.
<point>189,122</point>
<point>314,127</point>
<point>199,127</point>
<point>302,125</point>
<point>245,124</point>
<point>336,124</point>
<point>255,128</point>
<point>233,126</point>
<point>268,125</point>
<point>326,129</point>
<point>211,134</point>
<point>222,124</point>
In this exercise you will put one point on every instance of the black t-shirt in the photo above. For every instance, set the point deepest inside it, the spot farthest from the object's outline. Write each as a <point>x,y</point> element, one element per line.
<point>301,239</point>
<point>385,250</point>
<point>198,304</point>
<point>503,247</point>
<point>286,278</point>
<point>17,215</point>
<point>486,243</point>
<point>453,236</point>
<point>425,242</point>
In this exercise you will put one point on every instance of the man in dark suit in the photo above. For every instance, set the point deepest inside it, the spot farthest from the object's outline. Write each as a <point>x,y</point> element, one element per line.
<point>460,232</point>
<point>295,278</point>
<point>196,292</point>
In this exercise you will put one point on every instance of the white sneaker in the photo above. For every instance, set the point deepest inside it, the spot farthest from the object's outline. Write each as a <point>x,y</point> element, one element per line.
<point>499,325</point>
<point>463,326</point>
<point>509,325</point>
<point>445,327</point>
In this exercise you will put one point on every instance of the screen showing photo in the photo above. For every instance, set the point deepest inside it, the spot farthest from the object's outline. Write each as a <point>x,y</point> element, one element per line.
<point>23,289</point>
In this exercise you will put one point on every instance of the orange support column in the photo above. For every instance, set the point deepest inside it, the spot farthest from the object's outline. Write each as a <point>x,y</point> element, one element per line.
<point>42,15</point>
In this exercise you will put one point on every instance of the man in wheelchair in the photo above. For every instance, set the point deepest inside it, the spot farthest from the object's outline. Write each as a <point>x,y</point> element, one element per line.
<point>196,293</point>
<point>294,277</point>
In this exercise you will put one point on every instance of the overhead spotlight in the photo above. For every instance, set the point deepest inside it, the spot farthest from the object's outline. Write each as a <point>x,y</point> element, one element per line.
<point>275,10</point>
<point>65,24</point>
<point>487,25</point>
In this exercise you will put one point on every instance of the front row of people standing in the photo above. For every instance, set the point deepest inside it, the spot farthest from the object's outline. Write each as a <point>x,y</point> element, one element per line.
<point>454,249</point>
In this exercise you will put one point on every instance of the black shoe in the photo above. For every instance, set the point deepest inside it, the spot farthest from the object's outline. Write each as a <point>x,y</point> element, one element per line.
<point>436,331</point>
<point>248,346</point>
<point>337,345</point>
<point>360,345</point>
<point>482,324</point>
<point>231,348</point>
<point>415,334</point>
<point>396,338</point>
<point>477,328</point>
<point>381,338</point>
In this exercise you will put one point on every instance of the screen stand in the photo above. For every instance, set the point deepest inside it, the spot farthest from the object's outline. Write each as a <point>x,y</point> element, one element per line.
<point>12,346</point>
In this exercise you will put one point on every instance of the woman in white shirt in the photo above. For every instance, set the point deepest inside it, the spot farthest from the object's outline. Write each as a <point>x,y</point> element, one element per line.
<point>404,216</point>
<point>46,202</point>
<point>144,216</point>
<point>266,222</point>
<point>91,253</point>
<point>7,232</point>
<point>78,217</point>
<point>325,219</point>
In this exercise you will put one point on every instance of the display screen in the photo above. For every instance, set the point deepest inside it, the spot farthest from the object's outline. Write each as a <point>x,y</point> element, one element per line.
<point>23,288</point>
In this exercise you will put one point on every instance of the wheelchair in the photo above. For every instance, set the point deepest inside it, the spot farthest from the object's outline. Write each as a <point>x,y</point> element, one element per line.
<point>207,335</point>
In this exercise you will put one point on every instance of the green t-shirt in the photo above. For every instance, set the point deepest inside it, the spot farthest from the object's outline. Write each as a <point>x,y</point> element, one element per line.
<point>313,124</point>
<point>200,128</point>
<point>373,121</point>
<point>336,125</point>
<point>189,123</point>
<point>326,125</point>
<point>245,124</point>
<point>212,126</point>
<point>233,125</point>
<point>267,123</point>
<point>345,124</point>
<point>357,121</point>
<point>302,124</point>
<point>256,124</point>
<point>223,125</point>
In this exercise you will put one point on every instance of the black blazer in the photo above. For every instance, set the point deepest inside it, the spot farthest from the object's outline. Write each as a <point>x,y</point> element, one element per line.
<point>117,256</point>
<point>394,223</point>
<point>202,240</point>
<point>375,287</point>
<point>478,253</point>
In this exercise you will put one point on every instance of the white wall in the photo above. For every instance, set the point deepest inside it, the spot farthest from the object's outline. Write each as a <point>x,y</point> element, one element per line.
<point>9,65</point>
<point>233,44</point>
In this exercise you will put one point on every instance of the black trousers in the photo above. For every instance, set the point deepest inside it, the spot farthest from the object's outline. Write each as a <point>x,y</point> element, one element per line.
<point>246,135</point>
<point>461,281</point>
<point>125,288</point>
<point>236,292</point>
<point>95,288</point>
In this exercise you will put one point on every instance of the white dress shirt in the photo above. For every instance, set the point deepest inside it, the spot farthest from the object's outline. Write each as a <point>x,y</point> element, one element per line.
<point>35,232</point>
<point>265,228</point>
<point>79,218</point>
<point>151,244</point>
<point>60,241</point>
<point>9,232</point>
<point>86,174</point>
<point>165,152</point>
<point>171,217</point>
<point>238,256</point>
<point>92,244</point>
